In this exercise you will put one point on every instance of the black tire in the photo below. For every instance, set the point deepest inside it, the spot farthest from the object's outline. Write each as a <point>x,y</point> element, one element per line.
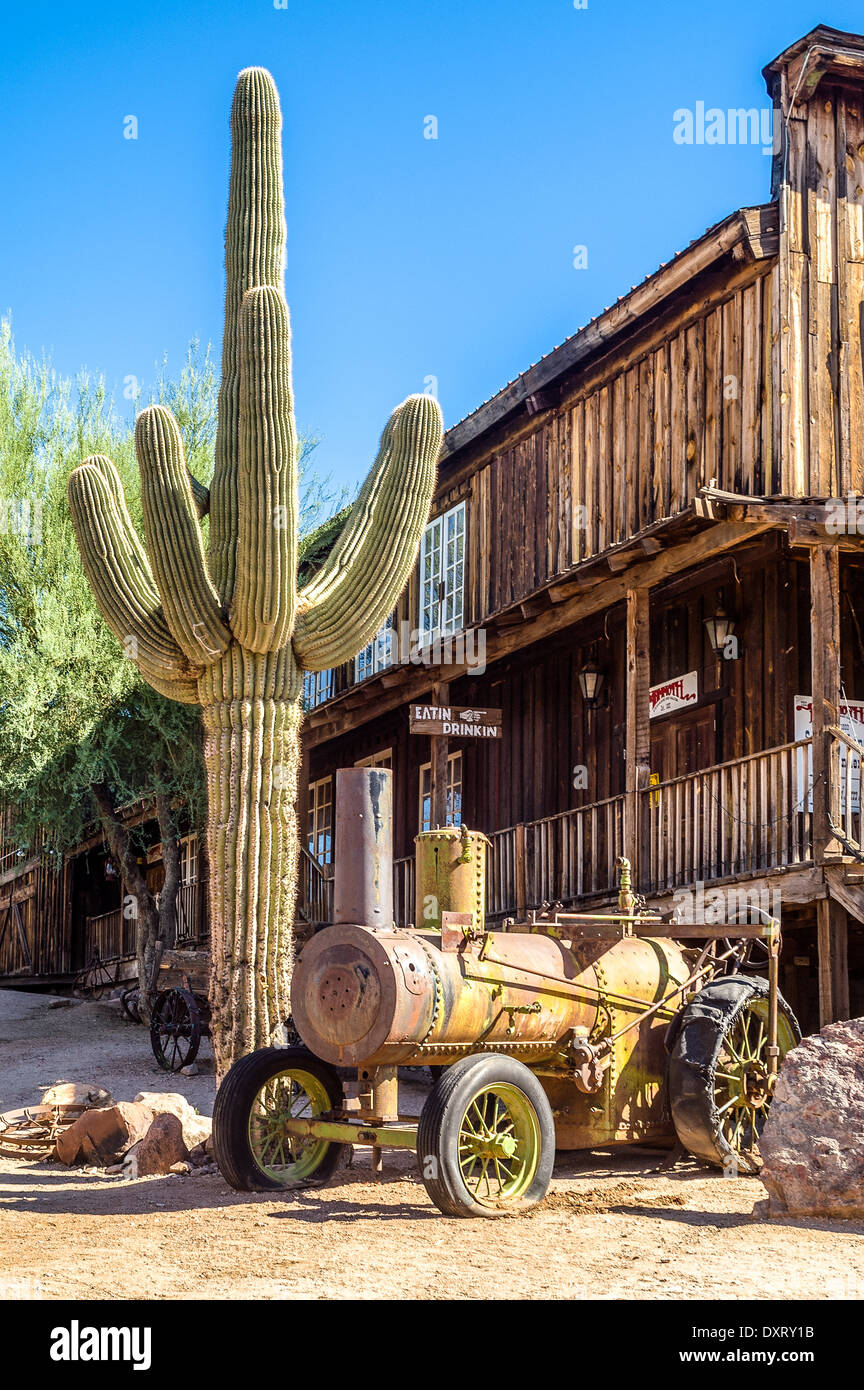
<point>129,1000</point>
<point>444,1131</point>
<point>235,1112</point>
<point>696,1078</point>
<point>175,1029</point>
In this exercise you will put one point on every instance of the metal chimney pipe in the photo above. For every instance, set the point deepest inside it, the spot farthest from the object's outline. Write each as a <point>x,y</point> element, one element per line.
<point>363,876</point>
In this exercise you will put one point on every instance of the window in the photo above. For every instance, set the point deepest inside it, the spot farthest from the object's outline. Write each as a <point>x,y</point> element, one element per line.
<point>382,759</point>
<point>442,575</point>
<point>378,654</point>
<point>188,860</point>
<point>317,687</point>
<point>454,792</point>
<point>320,832</point>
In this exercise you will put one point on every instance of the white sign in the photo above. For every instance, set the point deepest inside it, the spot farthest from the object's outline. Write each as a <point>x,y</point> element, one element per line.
<point>852,724</point>
<point>679,693</point>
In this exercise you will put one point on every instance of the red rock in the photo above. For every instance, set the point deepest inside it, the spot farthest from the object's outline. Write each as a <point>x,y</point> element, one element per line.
<point>813,1141</point>
<point>102,1136</point>
<point>161,1147</point>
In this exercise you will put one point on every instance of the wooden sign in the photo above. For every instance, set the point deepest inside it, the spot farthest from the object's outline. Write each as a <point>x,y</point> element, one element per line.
<point>452,721</point>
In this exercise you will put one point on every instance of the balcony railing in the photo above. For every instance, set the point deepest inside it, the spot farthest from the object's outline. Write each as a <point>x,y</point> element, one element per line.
<point>111,936</point>
<point>747,816</point>
<point>741,817</point>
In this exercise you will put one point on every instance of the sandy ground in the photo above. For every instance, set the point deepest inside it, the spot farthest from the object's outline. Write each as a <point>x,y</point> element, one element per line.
<point>611,1227</point>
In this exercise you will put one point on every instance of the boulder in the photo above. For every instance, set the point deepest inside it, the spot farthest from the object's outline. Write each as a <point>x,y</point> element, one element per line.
<point>84,1094</point>
<point>104,1135</point>
<point>196,1128</point>
<point>160,1149</point>
<point>813,1141</point>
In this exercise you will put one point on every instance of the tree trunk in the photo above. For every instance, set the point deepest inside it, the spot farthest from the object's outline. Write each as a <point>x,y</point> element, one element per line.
<point>171,863</point>
<point>252,756</point>
<point>140,902</point>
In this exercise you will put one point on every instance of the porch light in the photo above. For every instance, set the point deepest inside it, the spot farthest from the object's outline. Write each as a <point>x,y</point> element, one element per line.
<point>719,628</point>
<point>591,680</point>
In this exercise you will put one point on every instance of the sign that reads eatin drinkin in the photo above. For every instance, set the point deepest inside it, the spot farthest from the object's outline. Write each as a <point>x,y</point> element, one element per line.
<point>456,721</point>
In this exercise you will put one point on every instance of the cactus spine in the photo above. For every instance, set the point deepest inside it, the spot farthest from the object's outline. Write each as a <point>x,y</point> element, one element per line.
<point>228,628</point>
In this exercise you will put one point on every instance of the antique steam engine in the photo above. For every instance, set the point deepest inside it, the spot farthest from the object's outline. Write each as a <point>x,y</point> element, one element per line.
<point>568,1031</point>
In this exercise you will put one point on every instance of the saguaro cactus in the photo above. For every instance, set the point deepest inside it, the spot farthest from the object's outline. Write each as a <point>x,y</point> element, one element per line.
<point>227,628</point>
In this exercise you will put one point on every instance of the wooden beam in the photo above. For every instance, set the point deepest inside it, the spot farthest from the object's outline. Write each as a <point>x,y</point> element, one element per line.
<point>825,666</point>
<point>832,935</point>
<point>440,747</point>
<point>637,739</point>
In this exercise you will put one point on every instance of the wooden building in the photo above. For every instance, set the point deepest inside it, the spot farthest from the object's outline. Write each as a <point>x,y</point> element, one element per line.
<point>646,552</point>
<point>664,506</point>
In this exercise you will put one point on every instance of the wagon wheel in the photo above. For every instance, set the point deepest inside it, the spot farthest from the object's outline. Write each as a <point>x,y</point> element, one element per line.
<point>129,1002</point>
<point>486,1138</point>
<point>719,1083</point>
<point>175,1029</point>
<point>261,1092</point>
<point>94,979</point>
<point>753,954</point>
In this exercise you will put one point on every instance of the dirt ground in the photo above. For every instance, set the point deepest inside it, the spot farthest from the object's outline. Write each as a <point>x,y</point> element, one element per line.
<point>611,1227</point>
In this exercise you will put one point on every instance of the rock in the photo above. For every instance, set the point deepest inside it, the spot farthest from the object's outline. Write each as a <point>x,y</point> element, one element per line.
<point>196,1128</point>
<point>191,1070</point>
<point>161,1147</point>
<point>813,1142</point>
<point>198,1156</point>
<point>103,1136</point>
<point>77,1093</point>
<point>114,1169</point>
<point>63,1003</point>
<point>181,1168</point>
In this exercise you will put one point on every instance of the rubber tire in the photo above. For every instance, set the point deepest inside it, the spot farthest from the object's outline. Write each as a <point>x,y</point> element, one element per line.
<point>696,1036</point>
<point>234,1100</point>
<point>438,1130</point>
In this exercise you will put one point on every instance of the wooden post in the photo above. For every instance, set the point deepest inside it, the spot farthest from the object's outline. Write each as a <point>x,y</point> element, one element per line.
<point>637,739</point>
<point>825,663</point>
<point>521,871</point>
<point>832,932</point>
<point>439,748</point>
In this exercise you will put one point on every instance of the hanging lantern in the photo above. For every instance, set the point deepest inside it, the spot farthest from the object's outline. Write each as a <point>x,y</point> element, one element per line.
<point>719,629</point>
<point>591,680</point>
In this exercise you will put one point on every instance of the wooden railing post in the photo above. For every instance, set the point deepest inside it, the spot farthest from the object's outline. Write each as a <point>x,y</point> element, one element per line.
<point>637,743</point>
<point>825,664</point>
<point>521,871</point>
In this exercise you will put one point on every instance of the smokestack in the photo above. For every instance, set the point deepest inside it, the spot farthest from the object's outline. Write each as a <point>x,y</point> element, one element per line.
<point>363,878</point>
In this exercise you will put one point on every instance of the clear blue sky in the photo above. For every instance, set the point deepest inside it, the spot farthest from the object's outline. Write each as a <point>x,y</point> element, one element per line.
<point>407,257</point>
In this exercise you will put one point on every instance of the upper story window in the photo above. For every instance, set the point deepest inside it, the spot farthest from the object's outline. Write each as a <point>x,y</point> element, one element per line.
<point>317,687</point>
<point>188,860</point>
<point>378,654</point>
<point>382,759</point>
<point>442,575</point>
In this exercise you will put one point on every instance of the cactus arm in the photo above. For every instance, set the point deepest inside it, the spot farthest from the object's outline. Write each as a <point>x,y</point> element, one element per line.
<point>265,589</point>
<point>344,605</point>
<point>117,571</point>
<point>254,255</point>
<point>200,496</point>
<point>174,542</point>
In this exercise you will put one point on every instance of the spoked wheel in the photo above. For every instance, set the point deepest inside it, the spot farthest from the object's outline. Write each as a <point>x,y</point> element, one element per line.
<point>486,1138</point>
<point>753,954</point>
<point>175,1029</point>
<point>720,1086</point>
<point>129,1003</point>
<point>258,1095</point>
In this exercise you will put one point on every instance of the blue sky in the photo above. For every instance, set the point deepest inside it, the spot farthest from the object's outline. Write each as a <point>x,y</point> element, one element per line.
<point>407,257</point>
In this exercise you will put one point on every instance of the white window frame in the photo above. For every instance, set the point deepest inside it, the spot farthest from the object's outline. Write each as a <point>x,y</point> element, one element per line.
<point>454,790</point>
<point>442,575</point>
<point>378,654</point>
<point>188,860</point>
<point>319,820</point>
<point>317,687</point>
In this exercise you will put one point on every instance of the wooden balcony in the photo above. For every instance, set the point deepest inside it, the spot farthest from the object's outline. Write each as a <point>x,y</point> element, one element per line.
<point>741,818</point>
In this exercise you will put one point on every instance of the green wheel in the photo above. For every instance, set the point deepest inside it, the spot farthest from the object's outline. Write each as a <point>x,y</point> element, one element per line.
<point>258,1095</point>
<point>486,1138</point>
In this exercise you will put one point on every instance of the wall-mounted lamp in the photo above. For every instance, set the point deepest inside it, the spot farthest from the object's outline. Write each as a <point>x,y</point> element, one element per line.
<point>591,680</point>
<point>720,628</point>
